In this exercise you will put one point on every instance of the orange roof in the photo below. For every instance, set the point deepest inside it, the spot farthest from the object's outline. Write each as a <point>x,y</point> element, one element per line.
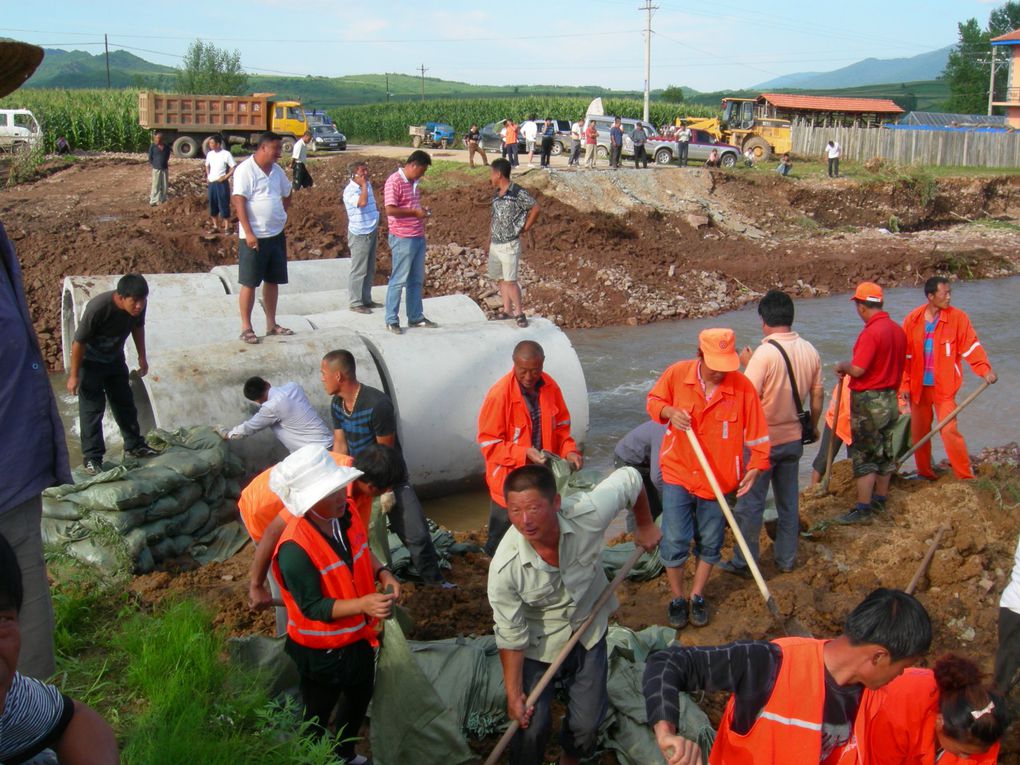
<point>831,104</point>
<point>1010,38</point>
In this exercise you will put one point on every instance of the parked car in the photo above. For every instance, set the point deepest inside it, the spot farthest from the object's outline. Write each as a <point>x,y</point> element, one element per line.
<point>662,149</point>
<point>19,130</point>
<point>328,138</point>
<point>702,143</point>
<point>491,140</point>
<point>317,117</point>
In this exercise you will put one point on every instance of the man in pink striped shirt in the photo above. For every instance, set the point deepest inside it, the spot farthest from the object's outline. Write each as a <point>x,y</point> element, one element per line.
<point>406,219</point>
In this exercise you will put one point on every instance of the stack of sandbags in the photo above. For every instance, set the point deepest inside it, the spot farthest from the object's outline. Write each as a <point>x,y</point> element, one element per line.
<point>144,511</point>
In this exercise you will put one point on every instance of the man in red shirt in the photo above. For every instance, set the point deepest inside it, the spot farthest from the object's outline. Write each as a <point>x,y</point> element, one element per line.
<point>875,371</point>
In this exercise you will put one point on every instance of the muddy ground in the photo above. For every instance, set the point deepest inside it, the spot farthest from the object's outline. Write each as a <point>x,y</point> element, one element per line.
<point>611,247</point>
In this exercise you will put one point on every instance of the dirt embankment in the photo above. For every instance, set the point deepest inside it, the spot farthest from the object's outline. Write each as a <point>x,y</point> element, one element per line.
<point>611,247</point>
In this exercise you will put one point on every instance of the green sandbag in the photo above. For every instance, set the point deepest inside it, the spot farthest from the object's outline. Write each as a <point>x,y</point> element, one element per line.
<point>60,509</point>
<point>190,463</point>
<point>165,506</point>
<point>648,566</point>
<point>232,488</point>
<point>187,494</point>
<point>156,531</point>
<point>200,437</point>
<point>119,522</point>
<point>114,474</point>
<point>162,550</point>
<point>58,532</point>
<point>410,721</point>
<point>224,542</point>
<point>123,490</point>
<point>213,492</point>
<point>378,535</point>
<point>194,519</point>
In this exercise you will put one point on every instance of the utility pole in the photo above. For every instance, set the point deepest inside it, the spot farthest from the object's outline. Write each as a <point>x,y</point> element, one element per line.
<point>648,8</point>
<point>387,86</point>
<point>991,83</point>
<point>106,44</point>
<point>423,70</point>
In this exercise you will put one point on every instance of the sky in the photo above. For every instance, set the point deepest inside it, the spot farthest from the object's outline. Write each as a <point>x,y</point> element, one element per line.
<point>569,42</point>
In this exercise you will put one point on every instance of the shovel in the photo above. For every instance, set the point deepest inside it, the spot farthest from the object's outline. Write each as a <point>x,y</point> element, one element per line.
<point>544,681</point>
<point>949,418</point>
<point>789,626</point>
<point>926,560</point>
<point>824,485</point>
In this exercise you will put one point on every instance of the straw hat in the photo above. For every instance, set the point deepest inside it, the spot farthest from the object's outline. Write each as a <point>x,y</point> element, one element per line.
<point>17,62</point>
<point>308,476</point>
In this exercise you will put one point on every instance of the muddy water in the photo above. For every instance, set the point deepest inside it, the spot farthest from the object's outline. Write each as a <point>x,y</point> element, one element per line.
<point>621,364</point>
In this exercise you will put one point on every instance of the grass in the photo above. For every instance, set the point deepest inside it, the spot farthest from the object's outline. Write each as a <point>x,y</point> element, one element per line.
<point>162,680</point>
<point>448,174</point>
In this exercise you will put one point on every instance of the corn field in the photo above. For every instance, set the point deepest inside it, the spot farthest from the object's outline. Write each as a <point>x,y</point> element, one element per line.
<point>93,120</point>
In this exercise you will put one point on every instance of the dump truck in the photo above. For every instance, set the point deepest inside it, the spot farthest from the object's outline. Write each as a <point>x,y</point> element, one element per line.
<point>187,121</point>
<point>739,126</point>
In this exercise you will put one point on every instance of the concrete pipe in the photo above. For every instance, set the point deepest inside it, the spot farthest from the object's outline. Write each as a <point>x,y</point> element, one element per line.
<point>165,289</point>
<point>446,311</point>
<point>324,301</point>
<point>302,276</point>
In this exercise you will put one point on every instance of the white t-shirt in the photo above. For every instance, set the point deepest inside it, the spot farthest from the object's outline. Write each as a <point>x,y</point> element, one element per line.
<point>300,153</point>
<point>1011,595</point>
<point>530,130</point>
<point>576,130</point>
<point>217,163</point>
<point>833,152</point>
<point>265,194</point>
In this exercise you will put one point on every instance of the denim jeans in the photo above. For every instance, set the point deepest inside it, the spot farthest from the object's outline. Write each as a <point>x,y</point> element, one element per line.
<point>408,268</point>
<point>686,517</point>
<point>750,509</point>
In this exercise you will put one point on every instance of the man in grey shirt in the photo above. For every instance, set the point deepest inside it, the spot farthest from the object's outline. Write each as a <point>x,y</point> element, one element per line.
<point>362,235</point>
<point>639,449</point>
<point>287,412</point>
<point>639,136</point>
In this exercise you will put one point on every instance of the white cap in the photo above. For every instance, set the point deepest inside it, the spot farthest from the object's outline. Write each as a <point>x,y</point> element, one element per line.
<point>308,476</point>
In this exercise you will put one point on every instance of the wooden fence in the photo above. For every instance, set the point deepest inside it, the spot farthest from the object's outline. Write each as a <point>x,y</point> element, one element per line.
<point>912,147</point>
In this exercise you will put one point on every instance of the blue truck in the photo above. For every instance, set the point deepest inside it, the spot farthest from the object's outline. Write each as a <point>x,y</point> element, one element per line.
<point>432,135</point>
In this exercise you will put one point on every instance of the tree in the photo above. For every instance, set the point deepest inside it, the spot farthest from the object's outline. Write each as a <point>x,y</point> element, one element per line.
<point>208,69</point>
<point>1004,19</point>
<point>674,94</point>
<point>967,70</point>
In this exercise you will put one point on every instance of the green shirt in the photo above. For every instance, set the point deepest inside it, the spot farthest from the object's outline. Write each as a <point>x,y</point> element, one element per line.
<point>536,606</point>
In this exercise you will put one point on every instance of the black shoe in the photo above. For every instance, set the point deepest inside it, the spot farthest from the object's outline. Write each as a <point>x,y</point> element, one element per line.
<point>423,322</point>
<point>699,611</point>
<point>372,304</point>
<point>678,613</point>
<point>395,329</point>
<point>732,568</point>
<point>860,515</point>
<point>878,505</point>
<point>142,451</point>
<point>92,467</point>
<point>360,309</point>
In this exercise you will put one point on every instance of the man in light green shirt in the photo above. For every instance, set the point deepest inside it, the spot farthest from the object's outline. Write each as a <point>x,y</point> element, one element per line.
<point>543,581</point>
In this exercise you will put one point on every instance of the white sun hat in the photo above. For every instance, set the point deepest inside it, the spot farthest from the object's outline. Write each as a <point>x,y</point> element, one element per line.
<point>308,476</point>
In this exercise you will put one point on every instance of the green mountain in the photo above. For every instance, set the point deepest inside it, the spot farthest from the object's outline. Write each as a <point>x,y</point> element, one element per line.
<point>870,71</point>
<point>78,69</point>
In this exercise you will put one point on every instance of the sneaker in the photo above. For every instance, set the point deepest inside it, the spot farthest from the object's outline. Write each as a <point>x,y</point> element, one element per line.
<point>699,611</point>
<point>423,322</point>
<point>360,309</point>
<point>92,467</point>
<point>878,504</point>
<point>395,329</point>
<point>142,451</point>
<point>677,613</point>
<point>860,515</point>
<point>732,568</point>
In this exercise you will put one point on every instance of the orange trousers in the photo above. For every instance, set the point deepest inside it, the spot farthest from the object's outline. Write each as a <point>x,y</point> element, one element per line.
<point>952,439</point>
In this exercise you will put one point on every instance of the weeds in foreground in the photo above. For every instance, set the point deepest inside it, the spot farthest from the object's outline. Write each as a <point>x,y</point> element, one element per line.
<point>998,225</point>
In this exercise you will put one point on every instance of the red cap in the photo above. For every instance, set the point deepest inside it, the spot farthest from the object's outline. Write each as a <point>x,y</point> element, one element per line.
<point>868,292</point>
<point>719,349</point>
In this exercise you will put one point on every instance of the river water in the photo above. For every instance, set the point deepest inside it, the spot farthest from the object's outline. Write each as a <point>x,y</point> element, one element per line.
<point>621,364</point>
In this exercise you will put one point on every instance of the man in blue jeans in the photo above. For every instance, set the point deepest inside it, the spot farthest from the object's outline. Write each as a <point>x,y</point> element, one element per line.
<point>767,371</point>
<point>406,218</point>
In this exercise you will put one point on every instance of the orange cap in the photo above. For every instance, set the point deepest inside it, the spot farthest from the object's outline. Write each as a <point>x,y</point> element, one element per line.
<point>868,292</point>
<point>719,348</point>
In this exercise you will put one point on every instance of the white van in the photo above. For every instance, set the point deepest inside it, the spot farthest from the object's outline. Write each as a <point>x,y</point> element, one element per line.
<point>19,130</point>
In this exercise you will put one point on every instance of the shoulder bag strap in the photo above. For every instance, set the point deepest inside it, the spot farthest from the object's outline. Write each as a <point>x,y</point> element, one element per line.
<point>789,373</point>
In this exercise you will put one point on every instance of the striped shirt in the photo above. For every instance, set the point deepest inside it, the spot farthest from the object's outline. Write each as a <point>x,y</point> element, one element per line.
<point>35,715</point>
<point>929,350</point>
<point>371,418</point>
<point>400,192</point>
<point>360,220</point>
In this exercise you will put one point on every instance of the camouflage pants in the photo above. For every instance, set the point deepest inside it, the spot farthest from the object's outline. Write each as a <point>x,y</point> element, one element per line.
<point>873,413</point>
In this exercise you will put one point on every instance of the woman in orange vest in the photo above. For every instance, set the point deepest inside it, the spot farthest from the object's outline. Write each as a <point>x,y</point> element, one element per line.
<point>922,717</point>
<point>328,576</point>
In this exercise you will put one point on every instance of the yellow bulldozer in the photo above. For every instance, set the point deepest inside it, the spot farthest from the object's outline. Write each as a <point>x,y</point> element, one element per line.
<point>763,136</point>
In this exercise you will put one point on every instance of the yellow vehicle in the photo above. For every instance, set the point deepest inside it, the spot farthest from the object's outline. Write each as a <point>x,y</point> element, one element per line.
<point>764,136</point>
<point>187,121</point>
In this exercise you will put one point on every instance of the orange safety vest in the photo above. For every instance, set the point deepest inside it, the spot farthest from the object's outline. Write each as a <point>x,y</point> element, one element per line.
<point>955,339</point>
<point>732,420</point>
<point>259,504</point>
<point>504,429</point>
<point>842,428</point>
<point>338,582</point>
<point>897,724</point>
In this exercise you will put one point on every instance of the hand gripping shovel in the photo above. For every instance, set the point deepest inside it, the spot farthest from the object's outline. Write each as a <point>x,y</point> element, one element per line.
<point>789,626</point>
<point>949,418</point>
<point>562,656</point>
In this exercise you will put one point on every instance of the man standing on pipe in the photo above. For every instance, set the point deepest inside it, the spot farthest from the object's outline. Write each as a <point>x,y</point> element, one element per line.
<point>99,372</point>
<point>939,338</point>
<point>261,199</point>
<point>363,416</point>
<point>875,372</point>
<point>709,395</point>
<point>523,415</point>
<point>543,581</point>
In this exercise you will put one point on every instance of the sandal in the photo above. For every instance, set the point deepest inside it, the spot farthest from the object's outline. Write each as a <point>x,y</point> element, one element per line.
<point>503,316</point>
<point>278,330</point>
<point>248,336</point>
<point>522,320</point>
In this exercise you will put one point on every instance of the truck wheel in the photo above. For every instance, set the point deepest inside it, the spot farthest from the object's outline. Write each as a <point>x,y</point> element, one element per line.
<point>663,156</point>
<point>442,143</point>
<point>20,147</point>
<point>729,159</point>
<point>416,141</point>
<point>557,149</point>
<point>287,145</point>
<point>187,146</point>
<point>760,147</point>
<point>602,152</point>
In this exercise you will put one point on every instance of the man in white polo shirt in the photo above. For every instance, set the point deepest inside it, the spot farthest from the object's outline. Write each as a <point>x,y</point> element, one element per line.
<point>261,199</point>
<point>219,166</point>
<point>362,236</point>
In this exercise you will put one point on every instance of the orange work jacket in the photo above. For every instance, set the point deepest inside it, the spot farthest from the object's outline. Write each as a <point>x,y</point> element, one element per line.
<point>732,420</point>
<point>955,339</point>
<point>789,729</point>
<point>896,724</point>
<point>259,504</point>
<point>504,429</point>
<point>338,582</point>
<point>842,428</point>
